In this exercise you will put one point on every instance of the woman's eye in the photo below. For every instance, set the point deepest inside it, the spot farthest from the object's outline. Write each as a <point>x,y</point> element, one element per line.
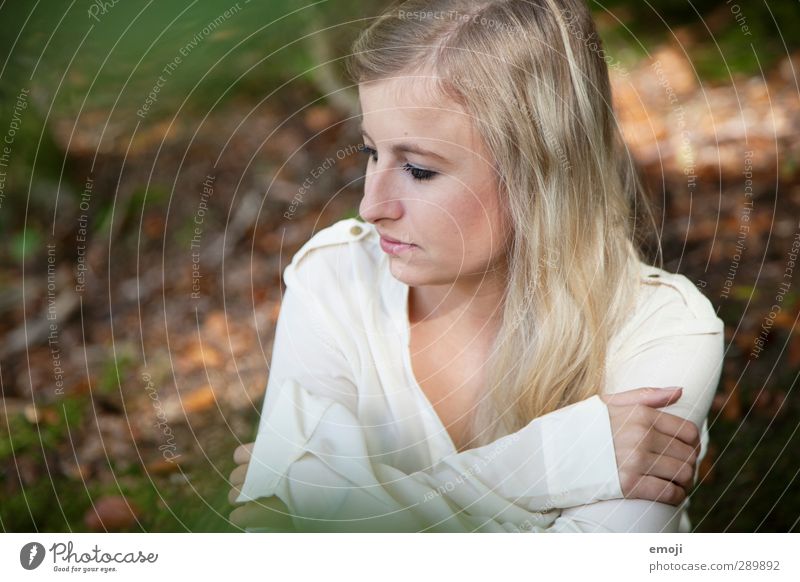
<point>419,173</point>
<point>371,152</point>
<point>416,173</point>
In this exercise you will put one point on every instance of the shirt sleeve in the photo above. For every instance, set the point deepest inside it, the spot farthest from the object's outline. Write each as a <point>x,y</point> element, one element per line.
<point>312,452</point>
<point>679,343</point>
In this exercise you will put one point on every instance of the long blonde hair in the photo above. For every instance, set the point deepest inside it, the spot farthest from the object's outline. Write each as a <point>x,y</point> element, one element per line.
<point>540,97</point>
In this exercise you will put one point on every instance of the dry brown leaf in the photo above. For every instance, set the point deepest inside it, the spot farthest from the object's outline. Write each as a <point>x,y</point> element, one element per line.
<point>162,467</point>
<point>111,513</point>
<point>198,400</point>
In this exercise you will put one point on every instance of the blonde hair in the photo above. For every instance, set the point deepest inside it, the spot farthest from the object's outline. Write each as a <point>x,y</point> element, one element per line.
<point>540,98</point>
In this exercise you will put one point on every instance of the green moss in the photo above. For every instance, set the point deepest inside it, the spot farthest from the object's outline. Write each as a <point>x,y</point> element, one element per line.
<point>115,369</point>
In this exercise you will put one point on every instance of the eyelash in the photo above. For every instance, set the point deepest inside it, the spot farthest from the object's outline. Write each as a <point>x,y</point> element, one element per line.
<point>417,173</point>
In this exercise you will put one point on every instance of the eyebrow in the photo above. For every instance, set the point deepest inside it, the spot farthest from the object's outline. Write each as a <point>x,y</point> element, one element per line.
<point>404,147</point>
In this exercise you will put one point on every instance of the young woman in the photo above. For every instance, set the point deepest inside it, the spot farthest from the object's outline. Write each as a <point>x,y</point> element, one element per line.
<point>488,350</point>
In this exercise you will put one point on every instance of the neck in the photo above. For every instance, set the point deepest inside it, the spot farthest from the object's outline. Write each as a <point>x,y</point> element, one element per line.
<point>472,301</point>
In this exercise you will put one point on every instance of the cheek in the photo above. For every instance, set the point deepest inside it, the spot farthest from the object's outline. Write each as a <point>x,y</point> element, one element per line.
<point>469,232</point>
<point>460,228</point>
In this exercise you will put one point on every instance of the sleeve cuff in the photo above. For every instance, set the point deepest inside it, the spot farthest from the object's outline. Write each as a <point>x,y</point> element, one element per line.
<point>579,453</point>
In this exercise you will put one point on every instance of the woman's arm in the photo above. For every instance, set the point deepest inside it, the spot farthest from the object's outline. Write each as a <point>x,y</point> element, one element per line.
<point>679,343</point>
<point>310,412</point>
<point>333,486</point>
<point>311,449</point>
<point>309,373</point>
<point>272,513</point>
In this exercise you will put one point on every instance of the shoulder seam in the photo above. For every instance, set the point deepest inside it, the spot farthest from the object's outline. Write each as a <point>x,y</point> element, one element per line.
<point>697,303</point>
<point>341,232</point>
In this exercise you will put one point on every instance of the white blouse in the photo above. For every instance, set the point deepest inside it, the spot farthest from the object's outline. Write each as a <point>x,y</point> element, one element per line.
<point>349,442</point>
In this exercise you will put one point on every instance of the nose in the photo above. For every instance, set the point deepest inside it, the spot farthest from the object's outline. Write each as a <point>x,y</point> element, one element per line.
<point>381,198</point>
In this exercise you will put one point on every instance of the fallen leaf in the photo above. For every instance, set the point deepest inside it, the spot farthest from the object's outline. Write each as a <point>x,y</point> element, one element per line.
<point>705,472</point>
<point>111,513</point>
<point>162,467</point>
<point>199,400</point>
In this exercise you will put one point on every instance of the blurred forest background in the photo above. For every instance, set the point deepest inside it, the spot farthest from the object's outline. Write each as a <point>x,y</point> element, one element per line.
<point>151,150</point>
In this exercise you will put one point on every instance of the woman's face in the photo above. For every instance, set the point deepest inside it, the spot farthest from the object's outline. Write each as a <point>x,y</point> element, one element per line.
<point>429,182</point>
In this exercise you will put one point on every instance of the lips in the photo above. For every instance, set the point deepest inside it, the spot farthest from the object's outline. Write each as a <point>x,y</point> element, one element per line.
<point>395,247</point>
<point>393,240</point>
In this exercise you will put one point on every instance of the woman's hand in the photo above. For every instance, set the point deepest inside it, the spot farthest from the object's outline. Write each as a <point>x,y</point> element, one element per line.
<point>265,512</point>
<point>656,451</point>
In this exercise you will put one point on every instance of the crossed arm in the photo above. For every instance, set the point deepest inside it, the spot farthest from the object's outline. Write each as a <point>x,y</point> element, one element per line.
<point>557,474</point>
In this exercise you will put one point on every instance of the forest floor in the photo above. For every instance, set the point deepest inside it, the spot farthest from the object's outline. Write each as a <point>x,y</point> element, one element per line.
<point>124,417</point>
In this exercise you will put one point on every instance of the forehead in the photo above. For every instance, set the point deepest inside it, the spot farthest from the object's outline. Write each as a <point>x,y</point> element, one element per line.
<point>413,105</point>
<point>419,88</point>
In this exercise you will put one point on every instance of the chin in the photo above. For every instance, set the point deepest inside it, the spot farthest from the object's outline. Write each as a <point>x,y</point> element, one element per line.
<point>414,276</point>
<point>408,274</point>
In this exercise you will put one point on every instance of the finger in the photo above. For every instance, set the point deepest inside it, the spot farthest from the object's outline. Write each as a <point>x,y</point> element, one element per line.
<point>671,469</point>
<point>680,428</point>
<point>244,516</point>
<point>265,512</point>
<point>238,475</point>
<point>655,397</point>
<point>233,494</point>
<point>675,448</point>
<point>243,453</point>
<point>655,489</point>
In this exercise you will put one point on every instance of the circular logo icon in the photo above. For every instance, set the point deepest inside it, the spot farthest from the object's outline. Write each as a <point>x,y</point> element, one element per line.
<point>31,555</point>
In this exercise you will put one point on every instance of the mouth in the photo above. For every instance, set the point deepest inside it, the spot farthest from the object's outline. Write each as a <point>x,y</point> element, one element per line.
<point>395,247</point>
